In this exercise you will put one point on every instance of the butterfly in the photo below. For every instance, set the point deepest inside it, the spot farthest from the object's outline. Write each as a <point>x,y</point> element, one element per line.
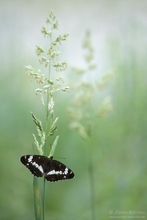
<point>52,170</point>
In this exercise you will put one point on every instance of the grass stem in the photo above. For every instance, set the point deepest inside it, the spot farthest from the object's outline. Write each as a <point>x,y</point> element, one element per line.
<point>92,186</point>
<point>43,199</point>
<point>37,199</point>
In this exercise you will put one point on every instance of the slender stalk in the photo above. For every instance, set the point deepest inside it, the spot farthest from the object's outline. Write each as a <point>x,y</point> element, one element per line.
<point>43,199</point>
<point>92,186</point>
<point>47,100</point>
<point>37,199</point>
<point>46,130</point>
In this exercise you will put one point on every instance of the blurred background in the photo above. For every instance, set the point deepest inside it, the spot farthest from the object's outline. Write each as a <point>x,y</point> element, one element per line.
<point>118,144</point>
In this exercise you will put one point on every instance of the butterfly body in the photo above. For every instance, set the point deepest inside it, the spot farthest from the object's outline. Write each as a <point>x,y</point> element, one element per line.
<point>52,170</point>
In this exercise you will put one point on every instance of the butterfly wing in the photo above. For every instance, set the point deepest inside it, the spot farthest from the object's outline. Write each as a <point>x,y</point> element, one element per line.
<point>57,171</point>
<point>52,170</point>
<point>35,163</point>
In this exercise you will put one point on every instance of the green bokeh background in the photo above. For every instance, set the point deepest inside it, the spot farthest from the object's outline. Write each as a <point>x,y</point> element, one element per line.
<point>118,144</point>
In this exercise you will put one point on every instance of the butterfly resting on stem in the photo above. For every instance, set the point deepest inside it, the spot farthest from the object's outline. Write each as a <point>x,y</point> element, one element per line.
<point>52,170</point>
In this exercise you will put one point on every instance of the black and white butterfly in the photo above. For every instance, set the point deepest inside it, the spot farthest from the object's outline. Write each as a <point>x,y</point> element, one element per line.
<point>52,170</point>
